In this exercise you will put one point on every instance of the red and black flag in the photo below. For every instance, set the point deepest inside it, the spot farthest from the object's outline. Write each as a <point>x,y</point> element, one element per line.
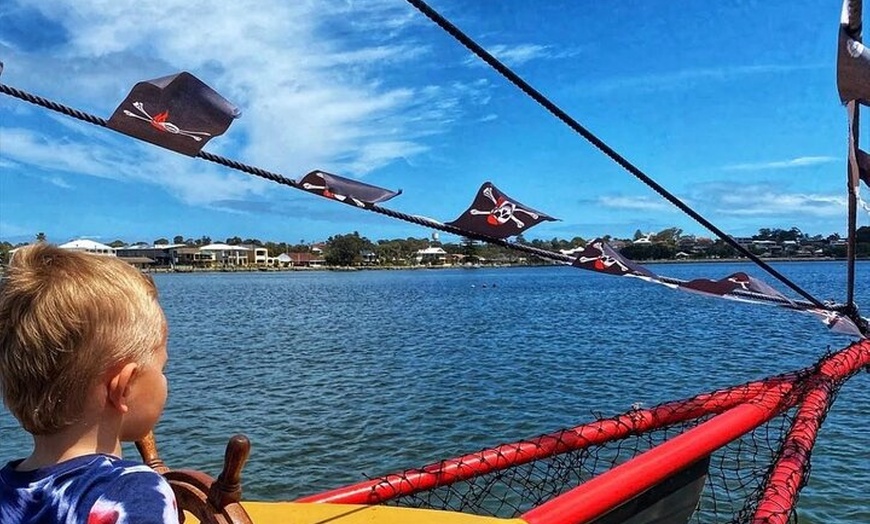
<point>344,189</point>
<point>853,63</point>
<point>863,161</point>
<point>600,256</point>
<point>496,215</point>
<point>836,322</point>
<point>735,282</point>
<point>178,112</point>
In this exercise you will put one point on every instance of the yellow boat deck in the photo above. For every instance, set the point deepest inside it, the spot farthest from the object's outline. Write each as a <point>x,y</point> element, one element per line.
<point>310,513</point>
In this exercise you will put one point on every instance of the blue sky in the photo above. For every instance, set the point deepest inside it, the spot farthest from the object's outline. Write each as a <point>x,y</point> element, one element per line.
<point>730,105</point>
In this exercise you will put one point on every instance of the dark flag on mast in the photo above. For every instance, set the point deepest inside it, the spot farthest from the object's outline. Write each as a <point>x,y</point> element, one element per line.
<point>178,112</point>
<point>496,215</point>
<point>601,257</point>
<point>853,65</point>
<point>344,189</point>
<point>863,165</point>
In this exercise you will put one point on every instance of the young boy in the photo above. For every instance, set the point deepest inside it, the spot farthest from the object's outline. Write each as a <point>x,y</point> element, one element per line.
<point>82,352</point>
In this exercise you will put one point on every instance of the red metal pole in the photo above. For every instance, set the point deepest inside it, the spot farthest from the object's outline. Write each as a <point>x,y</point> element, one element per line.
<point>605,492</point>
<point>595,433</point>
<point>781,492</point>
<point>598,496</point>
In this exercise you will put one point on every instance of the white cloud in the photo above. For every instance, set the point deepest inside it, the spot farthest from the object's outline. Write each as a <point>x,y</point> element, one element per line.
<point>192,182</point>
<point>769,203</point>
<point>803,161</point>
<point>8,230</point>
<point>635,202</point>
<point>308,77</point>
<point>58,181</point>
<point>685,78</point>
<point>27,147</point>
<point>767,200</point>
<point>518,54</point>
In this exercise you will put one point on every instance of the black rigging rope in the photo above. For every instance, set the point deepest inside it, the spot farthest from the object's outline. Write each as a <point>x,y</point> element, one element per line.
<point>526,88</point>
<point>414,219</point>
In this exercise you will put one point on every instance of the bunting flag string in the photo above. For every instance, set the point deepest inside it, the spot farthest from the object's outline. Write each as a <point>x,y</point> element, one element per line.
<point>181,113</point>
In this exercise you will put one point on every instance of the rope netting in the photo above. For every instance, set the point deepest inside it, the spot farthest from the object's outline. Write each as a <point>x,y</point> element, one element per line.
<point>750,446</point>
<point>735,478</point>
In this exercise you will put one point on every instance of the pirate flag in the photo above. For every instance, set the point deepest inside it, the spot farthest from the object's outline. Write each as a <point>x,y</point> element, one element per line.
<point>599,256</point>
<point>727,286</point>
<point>863,161</point>
<point>497,215</point>
<point>344,189</point>
<point>178,112</point>
<point>836,322</point>
<point>853,67</point>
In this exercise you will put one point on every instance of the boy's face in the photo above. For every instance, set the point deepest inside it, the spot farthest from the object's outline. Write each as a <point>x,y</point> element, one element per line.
<point>148,391</point>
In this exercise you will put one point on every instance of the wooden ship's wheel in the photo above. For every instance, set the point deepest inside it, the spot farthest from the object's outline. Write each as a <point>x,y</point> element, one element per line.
<point>211,501</point>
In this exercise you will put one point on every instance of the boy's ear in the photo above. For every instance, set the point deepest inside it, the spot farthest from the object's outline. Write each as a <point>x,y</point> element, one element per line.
<point>119,385</point>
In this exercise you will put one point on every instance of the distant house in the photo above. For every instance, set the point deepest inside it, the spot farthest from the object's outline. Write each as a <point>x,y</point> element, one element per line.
<point>283,260</point>
<point>192,256</point>
<point>767,247</point>
<point>644,241</point>
<point>790,247</point>
<point>304,259</point>
<point>89,246</point>
<point>431,256</point>
<point>257,255</point>
<point>227,255</point>
<point>369,258</point>
<point>159,254</point>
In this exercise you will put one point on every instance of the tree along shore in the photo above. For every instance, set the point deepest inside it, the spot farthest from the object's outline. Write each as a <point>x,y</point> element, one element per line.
<point>352,250</point>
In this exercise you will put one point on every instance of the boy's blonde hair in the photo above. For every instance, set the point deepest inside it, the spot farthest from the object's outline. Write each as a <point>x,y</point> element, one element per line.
<point>66,318</point>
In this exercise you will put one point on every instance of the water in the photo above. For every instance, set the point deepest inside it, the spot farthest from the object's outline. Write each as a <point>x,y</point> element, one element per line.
<point>338,375</point>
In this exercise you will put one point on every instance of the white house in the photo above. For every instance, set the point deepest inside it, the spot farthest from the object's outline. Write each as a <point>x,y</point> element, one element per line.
<point>89,246</point>
<point>227,254</point>
<point>431,255</point>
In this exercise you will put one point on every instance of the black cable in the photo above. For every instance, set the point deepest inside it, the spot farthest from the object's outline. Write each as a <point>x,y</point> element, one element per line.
<point>414,219</point>
<point>515,79</point>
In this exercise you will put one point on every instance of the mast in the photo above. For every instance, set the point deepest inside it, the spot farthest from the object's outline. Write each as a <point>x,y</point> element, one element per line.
<point>852,181</point>
<point>852,14</point>
<point>851,24</point>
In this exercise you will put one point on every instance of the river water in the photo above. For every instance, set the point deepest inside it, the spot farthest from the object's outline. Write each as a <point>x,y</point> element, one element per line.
<point>336,376</point>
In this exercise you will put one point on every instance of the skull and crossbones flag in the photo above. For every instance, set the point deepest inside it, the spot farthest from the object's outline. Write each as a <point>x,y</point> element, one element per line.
<point>853,68</point>
<point>725,287</point>
<point>600,256</point>
<point>497,215</point>
<point>178,112</point>
<point>344,189</point>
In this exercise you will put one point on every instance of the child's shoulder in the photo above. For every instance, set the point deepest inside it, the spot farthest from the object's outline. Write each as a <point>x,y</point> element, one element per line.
<point>119,474</point>
<point>135,490</point>
<point>91,487</point>
<point>85,471</point>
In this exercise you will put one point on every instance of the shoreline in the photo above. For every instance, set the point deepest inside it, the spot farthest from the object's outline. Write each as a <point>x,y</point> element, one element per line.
<point>252,269</point>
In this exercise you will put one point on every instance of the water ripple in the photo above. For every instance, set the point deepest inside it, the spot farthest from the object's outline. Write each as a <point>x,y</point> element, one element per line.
<point>339,376</point>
